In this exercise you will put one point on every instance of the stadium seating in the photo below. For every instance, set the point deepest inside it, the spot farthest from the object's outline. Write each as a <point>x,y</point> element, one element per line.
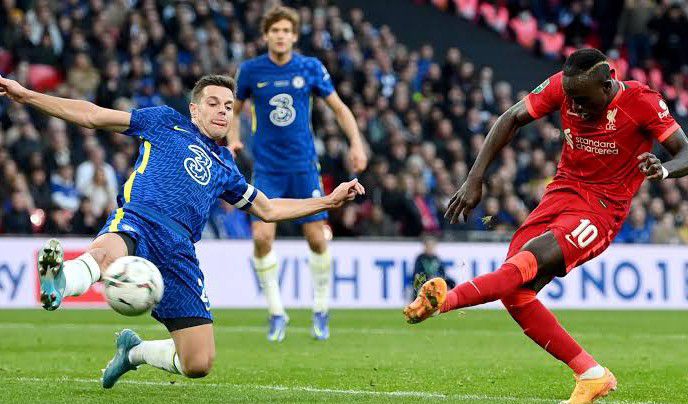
<point>424,115</point>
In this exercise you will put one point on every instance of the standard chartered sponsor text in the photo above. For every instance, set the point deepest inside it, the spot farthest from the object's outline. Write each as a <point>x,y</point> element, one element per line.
<point>596,146</point>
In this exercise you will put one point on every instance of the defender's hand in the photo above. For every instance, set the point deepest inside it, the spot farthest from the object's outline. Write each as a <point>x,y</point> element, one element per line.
<point>345,192</point>
<point>358,158</point>
<point>13,90</point>
<point>464,200</point>
<point>236,148</point>
<point>650,166</point>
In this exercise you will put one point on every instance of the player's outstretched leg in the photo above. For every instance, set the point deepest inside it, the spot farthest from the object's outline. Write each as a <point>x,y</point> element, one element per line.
<point>190,352</point>
<point>132,352</point>
<point>539,323</point>
<point>59,278</point>
<point>541,254</point>
<point>434,299</point>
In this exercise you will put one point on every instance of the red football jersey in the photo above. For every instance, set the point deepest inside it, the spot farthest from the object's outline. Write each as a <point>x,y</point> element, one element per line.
<point>601,156</point>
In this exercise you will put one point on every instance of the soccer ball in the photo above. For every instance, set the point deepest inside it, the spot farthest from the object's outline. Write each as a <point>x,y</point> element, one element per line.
<point>133,285</point>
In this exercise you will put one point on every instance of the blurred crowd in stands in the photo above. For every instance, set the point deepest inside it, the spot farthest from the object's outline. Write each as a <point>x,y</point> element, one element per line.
<point>424,115</point>
<point>645,40</point>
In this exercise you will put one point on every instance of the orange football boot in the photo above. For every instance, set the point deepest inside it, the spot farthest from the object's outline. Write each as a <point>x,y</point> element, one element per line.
<point>587,391</point>
<point>430,298</point>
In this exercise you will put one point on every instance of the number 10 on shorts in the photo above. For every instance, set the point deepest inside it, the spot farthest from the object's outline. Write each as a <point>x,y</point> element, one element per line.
<point>583,235</point>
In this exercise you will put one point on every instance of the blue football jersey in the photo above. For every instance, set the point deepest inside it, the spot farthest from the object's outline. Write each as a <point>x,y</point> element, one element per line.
<point>179,174</point>
<point>281,107</point>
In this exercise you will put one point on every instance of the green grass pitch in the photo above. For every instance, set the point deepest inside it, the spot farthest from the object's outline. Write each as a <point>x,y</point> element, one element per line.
<point>373,356</point>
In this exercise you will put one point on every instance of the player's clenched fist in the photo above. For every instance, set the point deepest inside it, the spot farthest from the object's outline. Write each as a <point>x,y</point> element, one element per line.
<point>464,200</point>
<point>651,166</point>
<point>345,192</point>
<point>13,90</point>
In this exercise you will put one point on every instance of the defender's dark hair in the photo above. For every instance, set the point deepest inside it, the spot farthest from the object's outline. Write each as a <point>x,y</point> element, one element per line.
<point>587,61</point>
<point>211,80</point>
<point>279,13</point>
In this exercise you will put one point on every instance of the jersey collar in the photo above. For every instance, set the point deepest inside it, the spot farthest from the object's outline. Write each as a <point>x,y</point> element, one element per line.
<point>294,55</point>
<point>622,88</point>
<point>206,140</point>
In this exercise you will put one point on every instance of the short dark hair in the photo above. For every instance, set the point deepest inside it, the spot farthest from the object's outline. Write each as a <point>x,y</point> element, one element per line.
<point>211,80</point>
<point>583,60</point>
<point>280,13</point>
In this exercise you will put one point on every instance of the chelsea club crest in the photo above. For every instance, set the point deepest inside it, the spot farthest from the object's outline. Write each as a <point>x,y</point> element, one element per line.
<point>298,82</point>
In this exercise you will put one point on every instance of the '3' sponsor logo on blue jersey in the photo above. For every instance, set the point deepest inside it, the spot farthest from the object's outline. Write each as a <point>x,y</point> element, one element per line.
<point>198,166</point>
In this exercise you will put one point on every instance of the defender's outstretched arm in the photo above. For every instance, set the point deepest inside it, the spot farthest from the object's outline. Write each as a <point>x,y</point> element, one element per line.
<point>275,210</point>
<point>79,112</point>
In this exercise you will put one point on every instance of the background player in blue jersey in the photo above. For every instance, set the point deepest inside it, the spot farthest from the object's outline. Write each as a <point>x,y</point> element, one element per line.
<point>163,207</point>
<point>281,84</point>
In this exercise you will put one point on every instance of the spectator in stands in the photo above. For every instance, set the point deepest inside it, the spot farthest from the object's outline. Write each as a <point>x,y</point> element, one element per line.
<point>59,222</point>
<point>424,131</point>
<point>58,152</point>
<point>671,30</point>
<point>64,193</point>
<point>173,95</point>
<point>428,264</point>
<point>378,224</point>
<point>551,41</point>
<point>86,221</point>
<point>17,219</point>
<point>40,189</point>
<point>525,29</point>
<point>101,195</point>
<point>86,171</point>
<point>494,15</point>
<point>637,229</point>
<point>665,232</point>
<point>576,23</point>
<point>83,77</point>
<point>27,143</point>
<point>633,30</point>
<point>606,15</point>
<point>112,86</point>
<point>44,53</point>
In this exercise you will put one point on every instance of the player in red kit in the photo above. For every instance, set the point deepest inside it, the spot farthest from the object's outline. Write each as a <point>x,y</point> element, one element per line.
<point>609,128</point>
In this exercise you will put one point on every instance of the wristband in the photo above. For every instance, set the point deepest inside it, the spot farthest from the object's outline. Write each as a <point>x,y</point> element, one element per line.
<point>665,172</point>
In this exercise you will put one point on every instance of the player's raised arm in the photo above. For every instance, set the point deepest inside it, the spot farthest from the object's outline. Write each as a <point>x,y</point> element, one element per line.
<point>470,193</point>
<point>346,120</point>
<point>654,169</point>
<point>275,210</point>
<point>79,112</point>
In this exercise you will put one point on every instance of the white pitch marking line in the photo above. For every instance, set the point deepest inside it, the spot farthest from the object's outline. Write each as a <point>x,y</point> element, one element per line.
<point>403,330</point>
<point>308,389</point>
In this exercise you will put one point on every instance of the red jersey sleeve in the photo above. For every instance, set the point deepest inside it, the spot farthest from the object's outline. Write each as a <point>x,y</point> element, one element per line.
<point>546,98</point>
<point>653,115</point>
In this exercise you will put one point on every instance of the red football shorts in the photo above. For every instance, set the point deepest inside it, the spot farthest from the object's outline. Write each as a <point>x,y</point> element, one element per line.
<point>583,225</point>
